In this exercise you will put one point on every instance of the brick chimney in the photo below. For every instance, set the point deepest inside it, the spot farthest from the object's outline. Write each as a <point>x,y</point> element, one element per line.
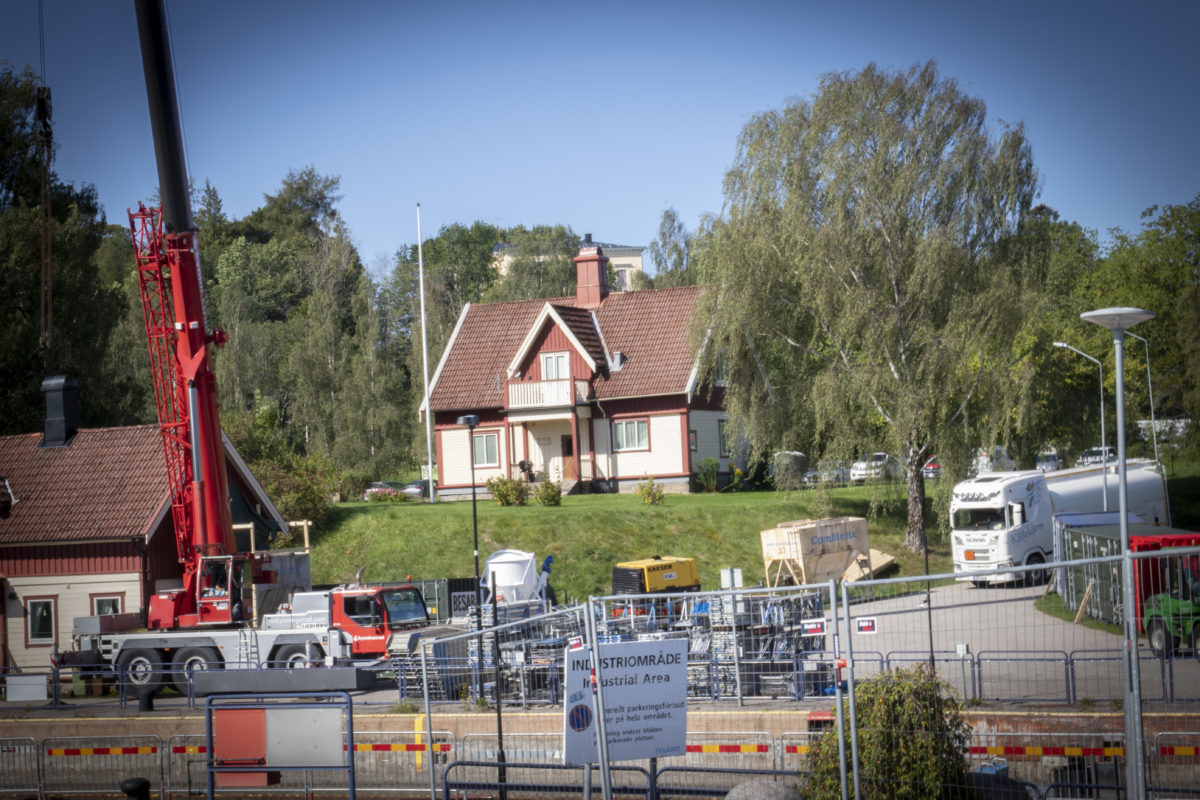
<point>62,410</point>
<point>591,274</point>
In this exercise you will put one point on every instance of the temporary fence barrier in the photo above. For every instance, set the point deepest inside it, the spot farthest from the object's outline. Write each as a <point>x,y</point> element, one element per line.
<point>1048,758</point>
<point>391,762</point>
<point>695,781</point>
<point>794,748</point>
<point>957,670</point>
<point>83,765</point>
<point>20,765</point>
<point>1015,675</point>
<point>1174,765</point>
<point>395,761</point>
<point>535,781</point>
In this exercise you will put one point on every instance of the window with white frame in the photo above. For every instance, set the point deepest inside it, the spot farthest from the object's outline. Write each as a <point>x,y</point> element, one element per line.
<point>39,621</point>
<point>555,367</point>
<point>107,603</point>
<point>485,449</point>
<point>631,434</point>
<point>723,437</point>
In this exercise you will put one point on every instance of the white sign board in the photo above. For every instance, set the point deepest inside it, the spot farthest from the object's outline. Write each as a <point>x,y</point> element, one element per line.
<point>645,700</point>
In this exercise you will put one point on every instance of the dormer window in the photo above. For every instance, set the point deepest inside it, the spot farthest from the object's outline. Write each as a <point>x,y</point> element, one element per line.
<point>555,367</point>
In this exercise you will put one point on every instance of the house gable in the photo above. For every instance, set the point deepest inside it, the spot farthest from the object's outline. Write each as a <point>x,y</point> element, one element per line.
<point>557,328</point>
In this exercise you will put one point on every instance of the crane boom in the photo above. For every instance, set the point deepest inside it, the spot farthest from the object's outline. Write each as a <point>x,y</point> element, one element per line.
<point>185,386</point>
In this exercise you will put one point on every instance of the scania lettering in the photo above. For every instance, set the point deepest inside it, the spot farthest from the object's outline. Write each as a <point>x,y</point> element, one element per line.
<point>1005,519</point>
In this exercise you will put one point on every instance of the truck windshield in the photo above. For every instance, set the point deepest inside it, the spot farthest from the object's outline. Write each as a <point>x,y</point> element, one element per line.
<point>403,605</point>
<point>979,519</point>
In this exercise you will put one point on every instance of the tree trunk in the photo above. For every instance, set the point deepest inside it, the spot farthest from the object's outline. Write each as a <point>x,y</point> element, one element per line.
<point>914,538</point>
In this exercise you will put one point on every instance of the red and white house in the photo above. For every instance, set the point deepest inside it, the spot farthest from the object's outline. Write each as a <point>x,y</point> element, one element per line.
<point>597,389</point>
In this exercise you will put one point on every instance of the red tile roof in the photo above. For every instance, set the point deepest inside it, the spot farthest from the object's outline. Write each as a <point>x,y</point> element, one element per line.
<point>648,327</point>
<point>109,483</point>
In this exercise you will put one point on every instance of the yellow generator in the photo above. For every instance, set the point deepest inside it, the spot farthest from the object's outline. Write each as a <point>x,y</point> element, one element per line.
<point>658,574</point>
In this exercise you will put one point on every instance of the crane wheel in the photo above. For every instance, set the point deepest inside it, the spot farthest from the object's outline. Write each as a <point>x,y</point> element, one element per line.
<point>190,659</point>
<point>295,656</point>
<point>141,668</point>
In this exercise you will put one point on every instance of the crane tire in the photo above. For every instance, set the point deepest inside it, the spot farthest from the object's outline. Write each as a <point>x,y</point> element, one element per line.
<point>141,668</point>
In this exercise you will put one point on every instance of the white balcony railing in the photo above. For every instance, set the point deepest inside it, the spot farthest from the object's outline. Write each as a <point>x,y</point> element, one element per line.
<point>546,394</point>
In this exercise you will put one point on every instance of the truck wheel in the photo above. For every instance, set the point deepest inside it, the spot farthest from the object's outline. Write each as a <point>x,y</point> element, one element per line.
<point>1035,577</point>
<point>141,668</point>
<point>192,659</point>
<point>1162,642</point>
<point>295,656</point>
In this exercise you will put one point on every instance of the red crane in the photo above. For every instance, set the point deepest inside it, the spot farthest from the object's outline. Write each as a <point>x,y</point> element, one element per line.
<point>185,386</point>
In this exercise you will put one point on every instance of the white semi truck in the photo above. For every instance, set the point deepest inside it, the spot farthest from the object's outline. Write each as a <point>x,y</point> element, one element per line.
<point>1005,519</point>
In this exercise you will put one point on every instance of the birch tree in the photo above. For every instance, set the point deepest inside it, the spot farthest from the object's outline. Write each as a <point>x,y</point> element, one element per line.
<point>859,298</point>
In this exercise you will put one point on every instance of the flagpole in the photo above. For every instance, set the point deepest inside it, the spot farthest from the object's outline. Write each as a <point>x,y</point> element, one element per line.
<point>425,360</point>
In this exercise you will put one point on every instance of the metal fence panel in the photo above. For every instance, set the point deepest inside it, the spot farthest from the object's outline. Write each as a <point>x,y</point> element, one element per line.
<point>794,748</point>
<point>1045,758</point>
<point>19,765</point>
<point>1174,767</point>
<point>398,761</point>
<point>85,765</point>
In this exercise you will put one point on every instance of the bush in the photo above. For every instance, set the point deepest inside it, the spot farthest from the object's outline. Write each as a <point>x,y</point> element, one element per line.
<point>651,494</point>
<point>706,473</point>
<point>387,496</point>
<point>912,740</point>
<point>546,492</point>
<point>353,483</point>
<point>508,491</point>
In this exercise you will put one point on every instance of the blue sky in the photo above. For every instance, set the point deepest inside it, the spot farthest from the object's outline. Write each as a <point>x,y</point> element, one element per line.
<point>594,115</point>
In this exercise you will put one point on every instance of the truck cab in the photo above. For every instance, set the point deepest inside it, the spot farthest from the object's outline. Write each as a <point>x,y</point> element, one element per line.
<point>998,520</point>
<point>373,620</point>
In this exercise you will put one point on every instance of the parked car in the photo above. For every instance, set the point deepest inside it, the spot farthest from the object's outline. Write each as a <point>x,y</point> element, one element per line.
<point>1095,455</point>
<point>1050,462</point>
<point>828,472</point>
<point>382,486</point>
<point>418,488</point>
<point>877,466</point>
<point>932,468</point>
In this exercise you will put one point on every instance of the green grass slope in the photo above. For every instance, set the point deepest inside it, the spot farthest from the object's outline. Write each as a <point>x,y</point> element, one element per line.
<point>588,534</point>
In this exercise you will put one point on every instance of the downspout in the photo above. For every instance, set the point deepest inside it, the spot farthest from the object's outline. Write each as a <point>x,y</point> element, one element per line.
<point>143,550</point>
<point>3,623</point>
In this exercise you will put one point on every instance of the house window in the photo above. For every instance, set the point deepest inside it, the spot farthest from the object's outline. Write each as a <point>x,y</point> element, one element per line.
<point>485,447</point>
<point>631,434</point>
<point>555,367</point>
<point>723,436</point>
<point>691,440</point>
<point>39,621</point>
<point>107,603</point>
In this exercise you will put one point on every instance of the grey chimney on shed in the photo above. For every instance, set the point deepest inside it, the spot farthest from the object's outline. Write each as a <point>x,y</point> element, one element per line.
<point>62,410</point>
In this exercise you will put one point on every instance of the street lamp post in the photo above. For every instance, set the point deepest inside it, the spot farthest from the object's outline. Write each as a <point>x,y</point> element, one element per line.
<point>1103,441</point>
<point>1150,391</point>
<point>471,421</point>
<point>1118,320</point>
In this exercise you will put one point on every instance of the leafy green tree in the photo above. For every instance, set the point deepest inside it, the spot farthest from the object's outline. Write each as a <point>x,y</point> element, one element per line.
<point>856,268</point>
<point>306,202</point>
<point>542,264</point>
<point>671,253</point>
<point>84,305</point>
<point>912,741</point>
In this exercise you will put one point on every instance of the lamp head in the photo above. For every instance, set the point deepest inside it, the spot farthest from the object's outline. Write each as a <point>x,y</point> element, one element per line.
<point>470,420</point>
<point>1118,319</point>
